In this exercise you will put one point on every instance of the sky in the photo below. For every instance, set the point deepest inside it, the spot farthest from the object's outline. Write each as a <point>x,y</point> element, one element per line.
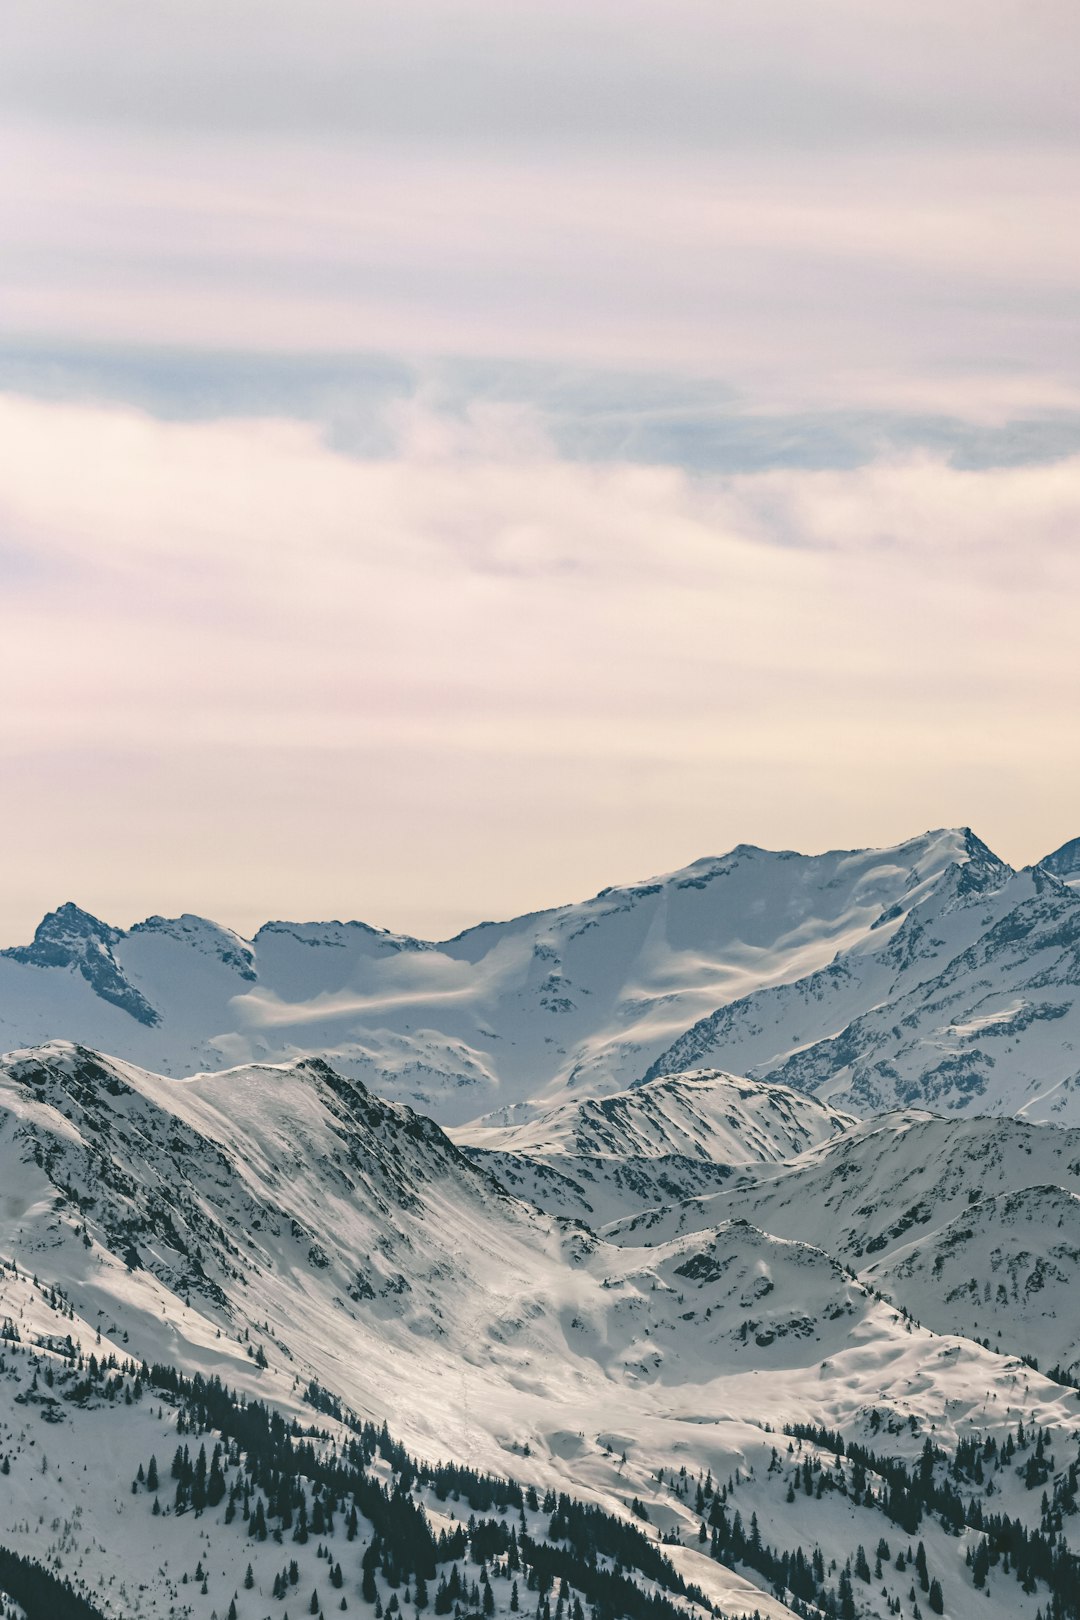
<point>456,456</point>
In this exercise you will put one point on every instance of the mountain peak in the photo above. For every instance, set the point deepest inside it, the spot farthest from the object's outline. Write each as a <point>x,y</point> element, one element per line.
<point>204,935</point>
<point>70,921</point>
<point>70,937</point>
<point>976,850</point>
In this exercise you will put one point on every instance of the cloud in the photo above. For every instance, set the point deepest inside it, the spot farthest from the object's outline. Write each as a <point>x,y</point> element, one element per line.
<point>472,673</point>
<point>867,282</point>
<point>834,212</point>
<point>568,434</point>
<point>688,72</point>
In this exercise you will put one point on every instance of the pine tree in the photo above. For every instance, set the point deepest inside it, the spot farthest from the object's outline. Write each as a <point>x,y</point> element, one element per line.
<point>980,1563</point>
<point>215,1485</point>
<point>198,1489</point>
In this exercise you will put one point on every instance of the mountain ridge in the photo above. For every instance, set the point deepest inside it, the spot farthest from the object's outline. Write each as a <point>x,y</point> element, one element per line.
<point>772,964</point>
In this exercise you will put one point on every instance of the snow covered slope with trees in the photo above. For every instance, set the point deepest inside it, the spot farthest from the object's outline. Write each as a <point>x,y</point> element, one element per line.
<point>262,1260</point>
<point>929,973</point>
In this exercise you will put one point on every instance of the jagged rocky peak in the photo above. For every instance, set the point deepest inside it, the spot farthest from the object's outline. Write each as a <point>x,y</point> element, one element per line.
<point>977,850</point>
<point>360,937</point>
<point>202,934</point>
<point>72,938</point>
<point>981,870</point>
<point>64,1068</point>
<point>63,933</point>
<point>1064,863</point>
<point>300,1123</point>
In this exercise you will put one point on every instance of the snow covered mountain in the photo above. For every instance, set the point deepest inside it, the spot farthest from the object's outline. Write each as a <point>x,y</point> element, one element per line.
<point>359,1242</point>
<point>970,1225</point>
<point>930,973</point>
<point>970,1003</point>
<point>655,1269</point>
<point>338,1258</point>
<point>672,1139</point>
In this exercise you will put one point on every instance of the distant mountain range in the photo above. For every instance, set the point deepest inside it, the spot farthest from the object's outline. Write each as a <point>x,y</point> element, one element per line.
<point>926,975</point>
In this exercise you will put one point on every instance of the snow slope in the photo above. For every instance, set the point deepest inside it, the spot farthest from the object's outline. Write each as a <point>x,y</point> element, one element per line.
<point>672,1139</point>
<point>972,1003</point>
<point>971,1225</point>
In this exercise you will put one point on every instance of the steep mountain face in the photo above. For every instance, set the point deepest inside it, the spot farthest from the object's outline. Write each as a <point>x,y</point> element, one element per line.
<point>293,1199</point>
<point>972,1003</point>
<point>292,1184</point>
<point>72,938</point>
<point>1064,863</point>
<point>704,1114</point>
<point>364,1245</point>
<point>672,1139</point>
<point>284,1229</point>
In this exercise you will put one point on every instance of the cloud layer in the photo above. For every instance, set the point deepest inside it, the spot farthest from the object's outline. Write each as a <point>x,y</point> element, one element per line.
<point>473,674</point>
